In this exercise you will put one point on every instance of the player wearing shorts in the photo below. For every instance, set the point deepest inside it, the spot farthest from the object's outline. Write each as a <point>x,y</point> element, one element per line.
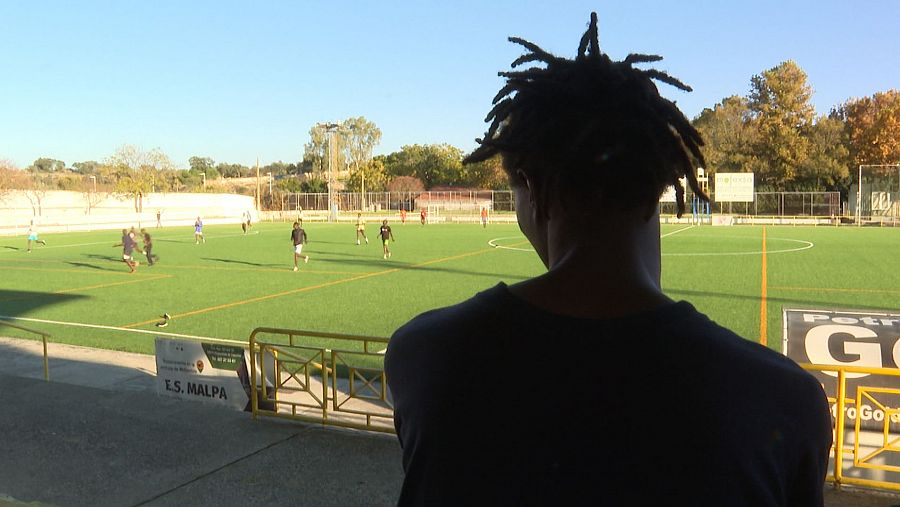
<point>129,245</point>
<point>402,216</point>
<point>361,228</point>
<point>298,237</point>
<point>386,236</point>
<point>33,236</point>
<point>484,217</point>
<point>148,247</point>
<point>423,216</point>
<point>198,232</point>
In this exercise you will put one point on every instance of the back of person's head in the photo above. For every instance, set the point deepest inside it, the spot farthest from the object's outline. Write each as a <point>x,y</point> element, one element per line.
<point>591,132</point>
<point>296,225</point>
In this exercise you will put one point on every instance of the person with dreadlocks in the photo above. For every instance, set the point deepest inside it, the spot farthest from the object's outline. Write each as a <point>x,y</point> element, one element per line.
<point>670,408</point>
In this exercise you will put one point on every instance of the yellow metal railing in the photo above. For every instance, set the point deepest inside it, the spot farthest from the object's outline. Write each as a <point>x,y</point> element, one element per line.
<point>328,378</point>
<point>44,336</point>
<point>870,399</point>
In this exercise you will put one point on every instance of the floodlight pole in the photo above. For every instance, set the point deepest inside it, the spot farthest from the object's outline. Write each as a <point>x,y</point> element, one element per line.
<point>330,129</point>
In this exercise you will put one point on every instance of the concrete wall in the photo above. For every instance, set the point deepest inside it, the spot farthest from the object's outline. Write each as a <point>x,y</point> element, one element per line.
<point>61,211</point>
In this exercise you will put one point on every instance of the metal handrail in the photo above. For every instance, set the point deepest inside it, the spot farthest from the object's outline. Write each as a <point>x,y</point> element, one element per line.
<point>43,336</point>
<point>328,361</point>
<point>841,401</point>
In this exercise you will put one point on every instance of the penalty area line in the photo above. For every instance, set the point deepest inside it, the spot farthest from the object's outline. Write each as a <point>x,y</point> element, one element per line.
<point>116,328</point>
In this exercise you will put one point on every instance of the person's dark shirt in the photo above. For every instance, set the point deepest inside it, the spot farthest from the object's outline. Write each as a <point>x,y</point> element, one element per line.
<point>298,236</point>
<point>498,402</point>
<point>385,232</point>
<point>128,244</point>
<point>148,242</point>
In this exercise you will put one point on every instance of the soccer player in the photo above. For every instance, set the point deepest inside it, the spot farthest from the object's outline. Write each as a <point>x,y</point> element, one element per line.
<point>423,215</point>
<point>298,237</point>
<point>589,145</point>
<point>148,247</point>
<point>33,236</point>
<point>402,216</point>
<point>484,216</point>
<point>198,232</point>
<point>158,219</point>
<point>386,237</point>
<point>129,245</point>
<point>361,228</point>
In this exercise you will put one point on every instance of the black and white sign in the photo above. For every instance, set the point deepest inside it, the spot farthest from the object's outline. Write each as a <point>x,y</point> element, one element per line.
<point>848,338</point>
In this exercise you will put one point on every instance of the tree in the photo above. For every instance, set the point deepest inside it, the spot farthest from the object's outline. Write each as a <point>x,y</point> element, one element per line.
<point>873,127</point>
<point>11,178</point>
<point>728,135</point>
<point>405,184</point>
<point>279,169</point>
<point>232,170</point>
<point>202,165</point>
<point>370,177</point>
<point>48,165</point>
<point>35,191</point>
<point>488,174</point>
<point>314,186</point>
<point>138,172</point>
<point>87,167</point>
<point>827,166</point>
<point>361,137</point>
<point>781,114</point>
<point>433,164</point>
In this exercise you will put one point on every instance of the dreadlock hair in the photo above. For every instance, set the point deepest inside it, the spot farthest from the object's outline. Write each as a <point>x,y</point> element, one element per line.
<point>592,129</point>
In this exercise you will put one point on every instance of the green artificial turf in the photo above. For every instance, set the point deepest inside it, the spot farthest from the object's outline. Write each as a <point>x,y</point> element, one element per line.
<point>234,283</point>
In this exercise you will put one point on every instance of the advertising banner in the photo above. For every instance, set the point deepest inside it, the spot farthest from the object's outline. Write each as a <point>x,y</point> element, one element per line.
<point>849,338</point>
<point>734,187</point>
<point>209,372</point>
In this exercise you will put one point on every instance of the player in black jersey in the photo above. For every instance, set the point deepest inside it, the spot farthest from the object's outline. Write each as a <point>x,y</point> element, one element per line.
<point>386,236</point>
<point>298,237</point>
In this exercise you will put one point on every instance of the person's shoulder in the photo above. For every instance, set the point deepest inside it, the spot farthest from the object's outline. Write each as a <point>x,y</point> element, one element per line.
<point>738,354</point>
<point>450,321</point>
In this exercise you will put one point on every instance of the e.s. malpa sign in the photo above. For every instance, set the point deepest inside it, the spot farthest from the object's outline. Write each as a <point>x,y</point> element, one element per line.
<point>208,372</point>
<point>841,338</point>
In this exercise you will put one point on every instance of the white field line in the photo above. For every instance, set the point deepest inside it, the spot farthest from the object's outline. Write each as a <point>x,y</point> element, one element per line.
<point>494,244</point>
<point>116,328</point>
<point>806,246</point>
<point>155,238</point>
<point>676,231</point>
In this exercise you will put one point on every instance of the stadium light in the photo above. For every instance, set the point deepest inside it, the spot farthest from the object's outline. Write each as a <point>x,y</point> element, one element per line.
<point>330,129</point>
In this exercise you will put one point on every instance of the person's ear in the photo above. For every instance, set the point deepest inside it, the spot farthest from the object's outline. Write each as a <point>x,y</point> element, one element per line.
<point>528,183</point>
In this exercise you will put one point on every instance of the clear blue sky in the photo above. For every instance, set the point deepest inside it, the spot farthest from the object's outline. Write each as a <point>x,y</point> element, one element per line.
<point>239,80</point>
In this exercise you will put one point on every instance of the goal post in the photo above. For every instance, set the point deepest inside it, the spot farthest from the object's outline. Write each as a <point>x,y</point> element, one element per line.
<point>877,192</point>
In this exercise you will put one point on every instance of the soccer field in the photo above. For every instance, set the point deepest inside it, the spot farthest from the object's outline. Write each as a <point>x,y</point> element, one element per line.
<point>234,283</point>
